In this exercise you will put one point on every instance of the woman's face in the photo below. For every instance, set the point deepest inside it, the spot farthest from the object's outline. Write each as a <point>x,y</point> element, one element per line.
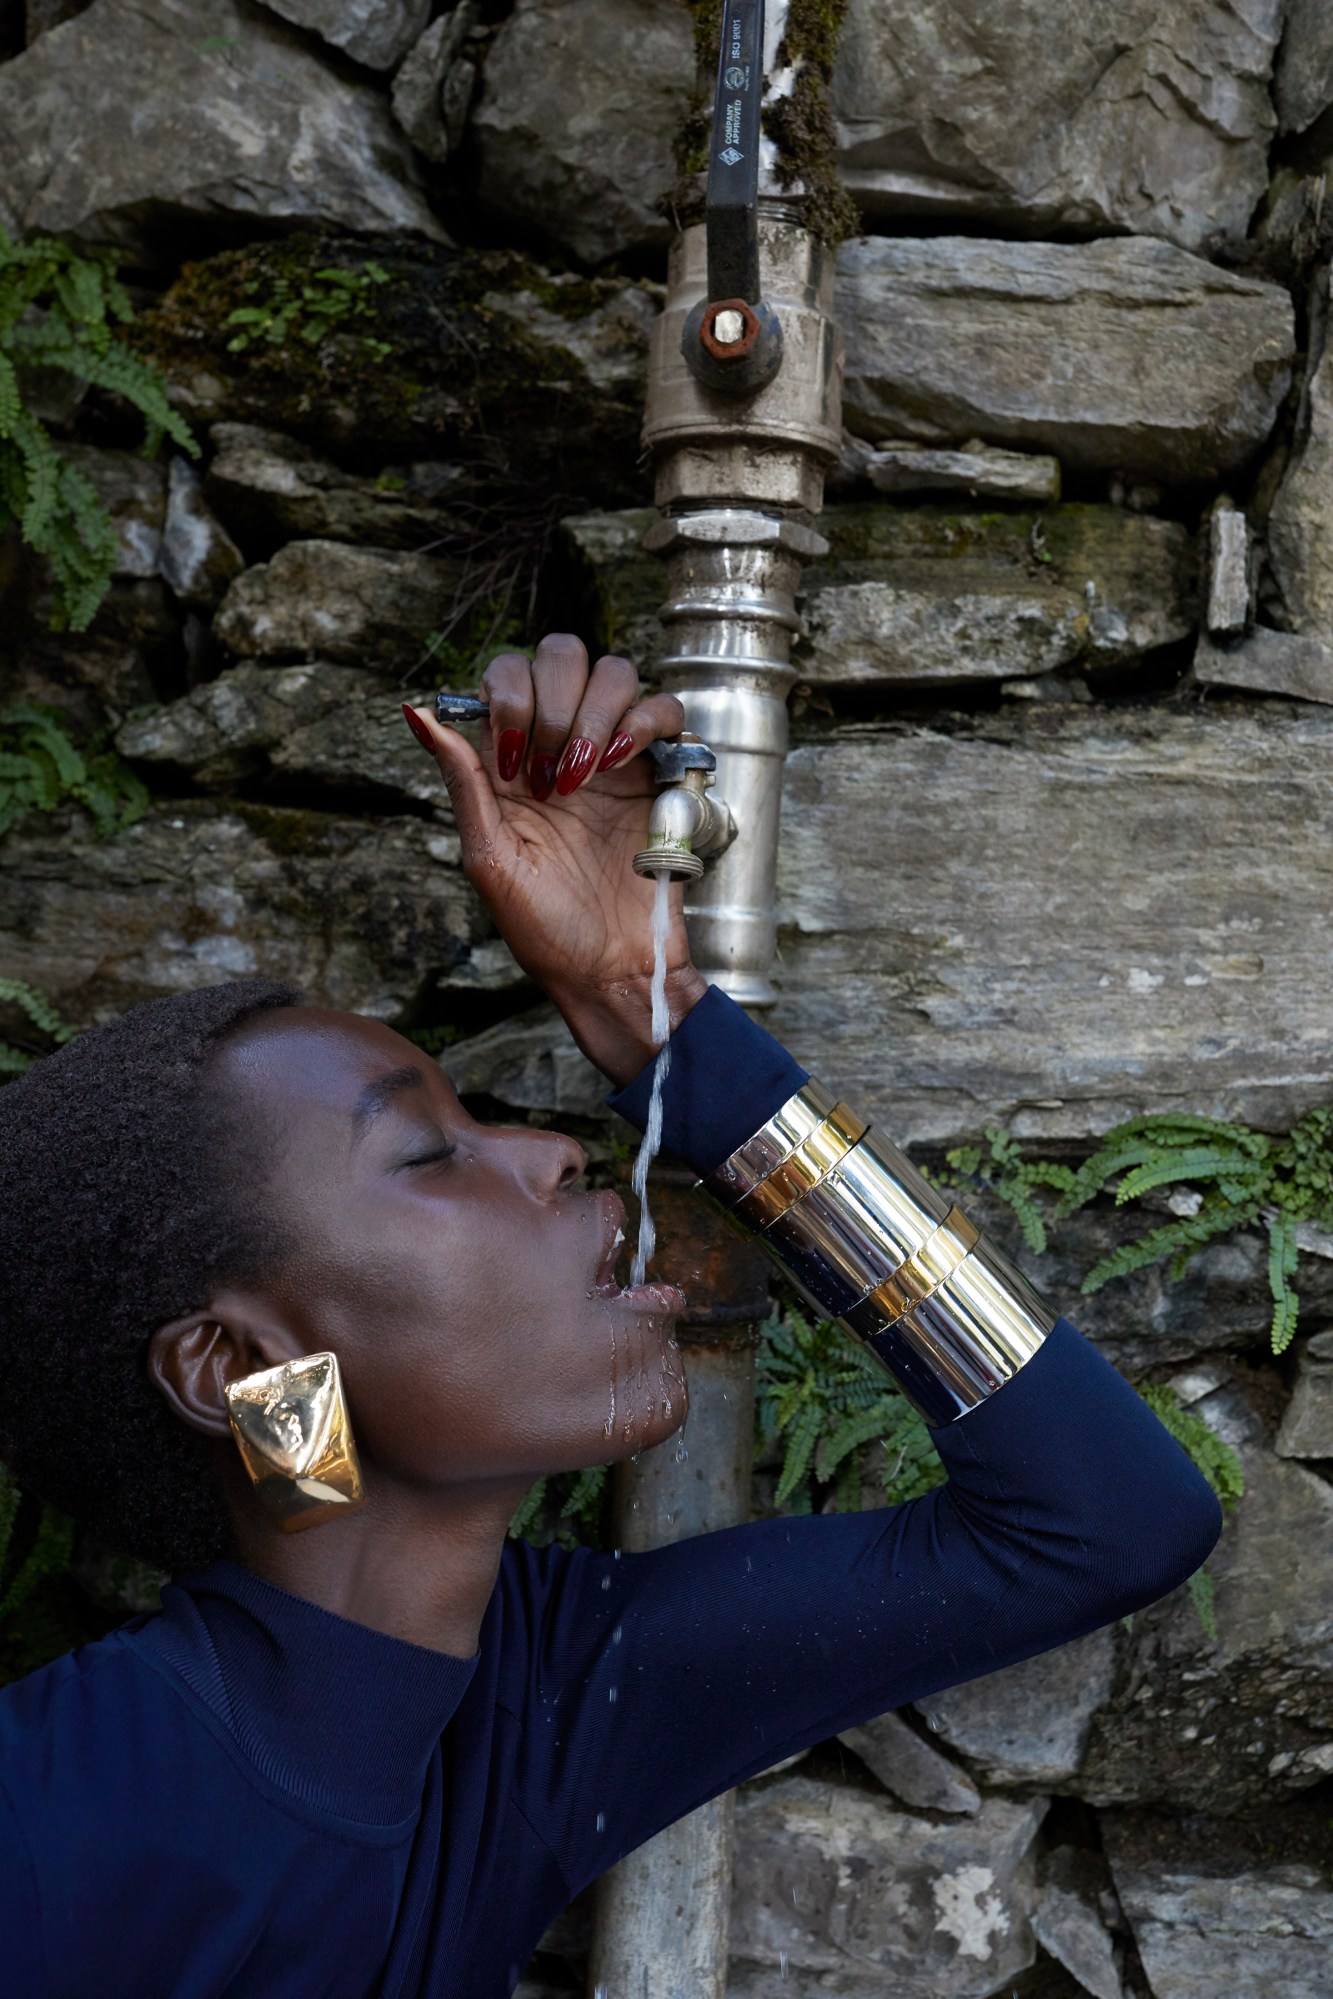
<point>457,1270</point>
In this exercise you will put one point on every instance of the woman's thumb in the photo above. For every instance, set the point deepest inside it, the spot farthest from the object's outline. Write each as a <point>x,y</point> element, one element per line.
<point>469,788</point>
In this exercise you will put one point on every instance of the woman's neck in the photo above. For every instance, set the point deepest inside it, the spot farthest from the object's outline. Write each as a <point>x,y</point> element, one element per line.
<point>416,1566</point>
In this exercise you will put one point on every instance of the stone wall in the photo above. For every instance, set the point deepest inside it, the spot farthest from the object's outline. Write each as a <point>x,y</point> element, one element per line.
<point>1058,839</point>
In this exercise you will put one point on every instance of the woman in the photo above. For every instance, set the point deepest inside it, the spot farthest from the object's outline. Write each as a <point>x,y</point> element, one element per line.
<point>379,1755</point>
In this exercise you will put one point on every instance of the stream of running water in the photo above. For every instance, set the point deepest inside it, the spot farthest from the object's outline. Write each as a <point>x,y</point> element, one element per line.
<point>652,1135</point>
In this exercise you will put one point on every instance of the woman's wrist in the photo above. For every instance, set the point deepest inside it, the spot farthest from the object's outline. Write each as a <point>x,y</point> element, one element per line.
<point>612,1022</point>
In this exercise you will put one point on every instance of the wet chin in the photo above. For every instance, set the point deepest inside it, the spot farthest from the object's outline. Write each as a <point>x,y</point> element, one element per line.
<point>648,1403</point>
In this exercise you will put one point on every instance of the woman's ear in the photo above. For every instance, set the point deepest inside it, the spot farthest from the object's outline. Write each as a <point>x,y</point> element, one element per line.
<point>192,1360</point>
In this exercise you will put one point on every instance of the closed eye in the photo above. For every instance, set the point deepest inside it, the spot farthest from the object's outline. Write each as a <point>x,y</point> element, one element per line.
<point>431,1158</point>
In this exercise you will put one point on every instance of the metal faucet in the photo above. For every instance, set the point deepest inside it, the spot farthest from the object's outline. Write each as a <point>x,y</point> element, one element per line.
<point>685,828</point>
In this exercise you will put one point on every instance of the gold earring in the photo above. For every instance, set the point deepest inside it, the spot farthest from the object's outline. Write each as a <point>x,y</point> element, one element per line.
<point>295,1439</point>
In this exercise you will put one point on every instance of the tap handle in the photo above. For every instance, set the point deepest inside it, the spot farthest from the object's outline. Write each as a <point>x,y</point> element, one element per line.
<point>732,203</point>
<point>671,758</point>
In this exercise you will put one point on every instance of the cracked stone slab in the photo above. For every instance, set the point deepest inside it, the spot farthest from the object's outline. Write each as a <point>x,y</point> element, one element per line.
<point>1105,913</point>
<point>356,913</point>
<point>1295,664</point>
<point>271,488</point>
<point>317,723</point>
<point>923,596</point>
<point>141,113</point>
<point>908,1766</point>
<point>1206,1926</point>
<point>1240,1722</point>
<point>326,599</point>
<point>1307,1423</point>
<point>1127,354</point>
<point>856,1896</point>
<point>1152,116</point>
<point>574,130</point>
<point>378,33</point>
<point>1029,1724</point>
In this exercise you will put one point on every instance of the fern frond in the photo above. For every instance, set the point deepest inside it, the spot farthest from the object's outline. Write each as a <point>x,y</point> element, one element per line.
<point>1199,1163</point>
<point>1174,1238</point>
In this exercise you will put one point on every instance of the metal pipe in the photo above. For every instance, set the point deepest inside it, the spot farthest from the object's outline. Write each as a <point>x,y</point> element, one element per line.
<point>741,441</point>
<point>662,1917</point>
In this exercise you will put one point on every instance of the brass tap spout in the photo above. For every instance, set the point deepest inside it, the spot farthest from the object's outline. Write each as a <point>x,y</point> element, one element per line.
<point>686,825</point>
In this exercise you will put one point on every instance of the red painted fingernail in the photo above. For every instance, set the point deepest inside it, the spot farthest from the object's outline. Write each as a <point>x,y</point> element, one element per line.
<point>418,728</point>
<point>509,752</point>
<point>541,777</point>
<point>617,750</point>
<point>575,765</point>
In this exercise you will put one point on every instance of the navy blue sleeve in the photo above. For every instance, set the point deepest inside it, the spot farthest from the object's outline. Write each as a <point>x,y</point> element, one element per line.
<point>727,1077</point>
<point>665,1678</point>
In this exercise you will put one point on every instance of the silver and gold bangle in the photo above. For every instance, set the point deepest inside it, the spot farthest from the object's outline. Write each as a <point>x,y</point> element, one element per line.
<point>872,1244</point>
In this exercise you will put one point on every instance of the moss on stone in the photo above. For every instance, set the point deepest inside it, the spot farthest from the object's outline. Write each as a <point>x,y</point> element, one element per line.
<point>431,368</point>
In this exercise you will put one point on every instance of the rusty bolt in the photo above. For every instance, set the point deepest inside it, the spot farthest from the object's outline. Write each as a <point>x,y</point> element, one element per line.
<point>729,330</point>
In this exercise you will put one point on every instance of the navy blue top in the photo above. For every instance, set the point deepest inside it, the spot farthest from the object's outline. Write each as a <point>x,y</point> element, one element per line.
<point>247,1795</point>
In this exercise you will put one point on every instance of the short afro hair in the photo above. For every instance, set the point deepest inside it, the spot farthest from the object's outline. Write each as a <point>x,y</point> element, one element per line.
<point>126,1195</point>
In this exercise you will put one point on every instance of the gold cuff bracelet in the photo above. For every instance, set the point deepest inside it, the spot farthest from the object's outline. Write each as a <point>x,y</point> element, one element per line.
<point>872,1244</point>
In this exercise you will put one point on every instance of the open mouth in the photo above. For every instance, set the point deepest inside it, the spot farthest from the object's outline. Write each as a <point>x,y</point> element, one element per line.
<point>661,1300</point>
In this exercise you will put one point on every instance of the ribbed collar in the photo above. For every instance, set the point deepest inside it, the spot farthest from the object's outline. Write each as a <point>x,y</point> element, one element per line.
<point>340,1716</point>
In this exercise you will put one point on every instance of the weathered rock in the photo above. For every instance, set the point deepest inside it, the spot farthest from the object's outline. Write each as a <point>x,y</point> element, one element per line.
<point>619,586</point>
<point>915,596</point>
<point>1060,917</point>
<point>270,489</point>
<point>134,492</point>
<point>319,724</point>
<point>139,114</point>
<point>842,1893</point>
<point>1050,999</point>
<point>1145,1320</point>
<point>198,557</point>
<point>1151,116</point>
<point>1307,1425</point>
<point>1209,1927</point>
<point>378,33</point>
<point>1268,662</point>
<point>1300,526</point>
<point>1228,606</point>
<point>975,469</point>
<point>1067,1922</point>
<point>908,1766</point>
<point>428,366</point>
<point>328,600</point>
<point>912,597</point>
<point>529,1061</point>
<point>358,914</point>
<point>1126,355</point>
<point>1029,1724</point>
<point>1228,1725</point>
<point>581,104</point>
<point>433,89</point>
<point>1304,77</point>
<point>43,15</point>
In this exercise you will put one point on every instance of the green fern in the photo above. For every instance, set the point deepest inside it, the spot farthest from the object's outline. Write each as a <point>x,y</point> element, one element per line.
<point>41,767</point>
<point>285,309</point>
<point>566,1507</point>
<point>1014,1179</point>
<point>1244,1179</point>
<point>826,1401</point>
<point>60,311</point>
<point>15,1059</point>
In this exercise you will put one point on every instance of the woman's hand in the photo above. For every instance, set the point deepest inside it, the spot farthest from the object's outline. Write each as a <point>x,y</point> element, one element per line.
<point>550,815</point>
